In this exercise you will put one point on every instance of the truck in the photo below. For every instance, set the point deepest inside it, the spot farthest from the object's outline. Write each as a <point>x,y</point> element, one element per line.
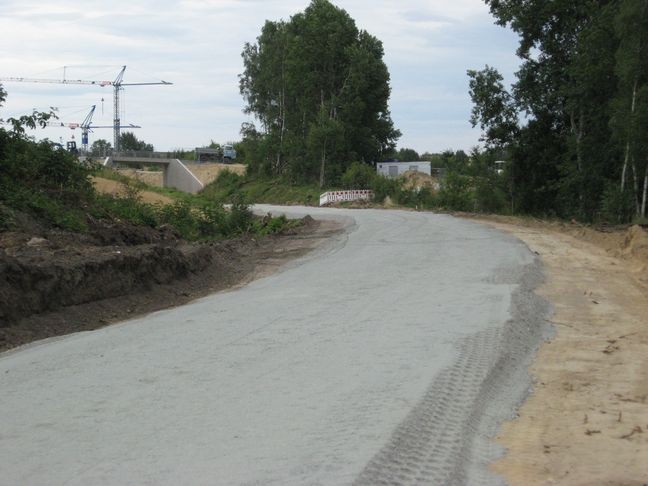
<point>225,154</point>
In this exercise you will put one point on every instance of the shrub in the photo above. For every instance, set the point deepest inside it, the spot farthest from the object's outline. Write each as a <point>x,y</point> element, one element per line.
<point>617,206</point>
<point>214,221</point>
<point>240,217</point>
<point>180,215</point>
<point>125,209</point>
<point>456,193</point>
<point>358,176</point>
<point>231,181</point>
<point>383,187</point>
<point>489,196</point>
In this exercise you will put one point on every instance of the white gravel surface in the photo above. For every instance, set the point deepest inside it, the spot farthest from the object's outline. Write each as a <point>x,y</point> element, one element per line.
<point>387,356</point>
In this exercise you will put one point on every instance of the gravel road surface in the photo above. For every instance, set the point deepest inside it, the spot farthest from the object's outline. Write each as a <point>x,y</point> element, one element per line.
<point>389,355</point>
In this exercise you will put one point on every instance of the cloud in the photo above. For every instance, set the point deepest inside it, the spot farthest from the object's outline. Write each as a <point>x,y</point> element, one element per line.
<point>196,44</point>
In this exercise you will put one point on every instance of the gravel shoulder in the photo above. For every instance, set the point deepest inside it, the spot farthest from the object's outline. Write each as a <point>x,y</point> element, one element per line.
<point>587,419</point>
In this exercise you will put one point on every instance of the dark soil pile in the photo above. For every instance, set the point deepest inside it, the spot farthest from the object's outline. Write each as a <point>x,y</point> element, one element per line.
<point>54,282</point>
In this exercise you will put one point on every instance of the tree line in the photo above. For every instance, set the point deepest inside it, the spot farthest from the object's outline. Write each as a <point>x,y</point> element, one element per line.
<point>319,88</point>
<point>574,126</point>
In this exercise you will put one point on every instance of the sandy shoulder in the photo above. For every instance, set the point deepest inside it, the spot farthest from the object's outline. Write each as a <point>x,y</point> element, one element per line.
<point>587,419</point>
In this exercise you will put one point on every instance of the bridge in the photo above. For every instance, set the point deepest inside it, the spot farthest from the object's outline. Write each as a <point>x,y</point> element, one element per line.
<point>176,174</point>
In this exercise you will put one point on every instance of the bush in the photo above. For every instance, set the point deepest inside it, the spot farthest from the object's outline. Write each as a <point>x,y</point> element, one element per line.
<point>231,181</point>
<point>125,209</point>
<point>6,218</point>
<point>181,216</point>
<point>617,206</point>
<point>240,217</point>
<point>214,221</point>
<point>358,176</point>
<point>456,193</point>
<point>489,196</point>
<point>383,187</point>
<point>50,184</point>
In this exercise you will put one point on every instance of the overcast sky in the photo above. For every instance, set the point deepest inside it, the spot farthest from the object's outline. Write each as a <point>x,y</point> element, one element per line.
<point>197,44</point>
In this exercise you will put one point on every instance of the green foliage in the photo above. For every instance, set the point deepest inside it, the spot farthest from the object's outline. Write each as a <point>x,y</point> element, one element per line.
<point>7,217</point>
<point>100,148</point>
<point>129,209</point>
<point>408,155</point>
<point>184,219</point>
<point>456,193</point>
<point>320,89</point>
<point>51,186</point>
<point>383,186</point>
<point>229,183</point>
<point>490,196</point>
<point>617,206</point>
<point>183,154</point>
<point>128,142</point>
<point>493,107</point>
<point>241,218</point>
<point>261,190</point>
<point>41,180</point>
<point>358,176</point>
<point>576,119</point>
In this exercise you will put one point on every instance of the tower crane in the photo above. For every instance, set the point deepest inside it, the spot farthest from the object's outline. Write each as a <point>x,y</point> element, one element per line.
<point>86,126</point>
<point>117,84</point>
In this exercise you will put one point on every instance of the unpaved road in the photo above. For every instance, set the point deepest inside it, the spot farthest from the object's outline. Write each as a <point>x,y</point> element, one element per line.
<point>587,421</point>
<point>388,355</point>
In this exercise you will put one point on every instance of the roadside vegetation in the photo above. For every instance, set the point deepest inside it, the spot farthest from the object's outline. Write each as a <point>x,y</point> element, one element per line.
<point>471,183</point>
<point>572,130</point>
<point>568,140</point>
<point>574,126</point>
<point>48,186</point>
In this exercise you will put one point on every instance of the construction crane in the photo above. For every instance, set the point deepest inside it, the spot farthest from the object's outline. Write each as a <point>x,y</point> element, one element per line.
<point>86,126</point>
<point>117,84</point>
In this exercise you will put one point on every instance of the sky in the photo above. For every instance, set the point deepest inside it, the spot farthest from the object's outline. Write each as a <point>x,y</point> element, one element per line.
<point>197,44</point>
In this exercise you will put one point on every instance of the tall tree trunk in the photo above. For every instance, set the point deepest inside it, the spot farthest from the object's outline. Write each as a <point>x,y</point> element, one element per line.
<point>636,188</point>
<point>322,166</point>
<point>626,158</point>
<point>282,113</point>
<point>577,132</point>
<point>645,193</point>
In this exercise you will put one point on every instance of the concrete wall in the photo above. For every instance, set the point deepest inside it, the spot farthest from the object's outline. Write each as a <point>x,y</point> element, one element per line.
<point>176,174</point>
<point>179,177</point>
<point>394,169</point>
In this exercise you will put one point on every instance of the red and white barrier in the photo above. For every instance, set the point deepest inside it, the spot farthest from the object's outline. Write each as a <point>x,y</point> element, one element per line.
<point>339,196</point>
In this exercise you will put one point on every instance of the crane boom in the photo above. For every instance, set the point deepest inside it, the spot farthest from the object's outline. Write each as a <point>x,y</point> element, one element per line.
<point>117,85</point>
<point>56,81</point>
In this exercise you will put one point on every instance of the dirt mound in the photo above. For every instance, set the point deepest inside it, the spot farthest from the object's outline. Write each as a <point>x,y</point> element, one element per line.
<point>208,172</point>
<point>418,180</point>
<point>57,269</point>
<point>53,282</point>
<point>636,243</point>
<point>628,243</point>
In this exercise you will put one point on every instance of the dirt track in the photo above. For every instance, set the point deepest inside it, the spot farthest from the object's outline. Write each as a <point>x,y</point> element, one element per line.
<point>587,421</point>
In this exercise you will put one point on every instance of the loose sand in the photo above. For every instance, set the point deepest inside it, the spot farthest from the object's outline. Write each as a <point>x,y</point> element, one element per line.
<point>109,186</point>
<point>208,172</point>
<point>587,420</point>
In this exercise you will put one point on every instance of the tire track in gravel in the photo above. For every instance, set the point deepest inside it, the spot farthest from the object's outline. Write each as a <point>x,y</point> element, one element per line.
<point>446,438</point>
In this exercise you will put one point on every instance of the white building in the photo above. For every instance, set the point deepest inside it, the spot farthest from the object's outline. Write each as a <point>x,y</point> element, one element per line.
<point>394,169</point>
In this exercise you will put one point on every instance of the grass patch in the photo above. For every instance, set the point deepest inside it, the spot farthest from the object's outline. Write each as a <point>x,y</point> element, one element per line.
<point>229,185</point>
